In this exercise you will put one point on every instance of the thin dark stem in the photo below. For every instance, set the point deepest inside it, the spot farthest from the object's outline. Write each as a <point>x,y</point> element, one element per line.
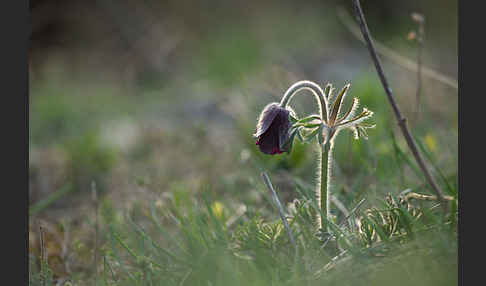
<point>281,211</point>
<point>30,270</point>
<point>96,207</point>
<point>401,120</point>
<point>43,256</point>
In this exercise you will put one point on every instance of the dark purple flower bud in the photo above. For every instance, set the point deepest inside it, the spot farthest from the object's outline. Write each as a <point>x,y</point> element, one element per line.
<point>273,129</point>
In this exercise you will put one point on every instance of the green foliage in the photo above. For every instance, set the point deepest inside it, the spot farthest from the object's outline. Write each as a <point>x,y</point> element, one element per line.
<point>39,273</point>
<point>371,95</point>
<point>184,238</point>
<point>227,55</point>
<point>199,248</point>
<point>89,160</point>
<point>54,117</point>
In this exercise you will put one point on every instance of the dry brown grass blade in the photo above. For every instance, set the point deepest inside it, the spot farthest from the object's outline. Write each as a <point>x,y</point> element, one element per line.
<point>422,197</point>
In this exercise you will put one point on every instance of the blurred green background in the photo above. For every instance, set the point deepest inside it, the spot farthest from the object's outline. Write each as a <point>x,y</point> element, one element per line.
<point>155,99</point>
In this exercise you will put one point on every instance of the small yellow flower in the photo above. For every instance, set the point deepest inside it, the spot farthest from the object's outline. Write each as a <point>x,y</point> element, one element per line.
<point>431,142</point>
<point>217,209</point>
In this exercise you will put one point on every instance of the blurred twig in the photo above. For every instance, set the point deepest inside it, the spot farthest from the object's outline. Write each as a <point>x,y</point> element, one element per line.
<point>345,19</point>
<point>96,206</point>
<point>401,120</point>
<point>420,40</point>
<point>65,247</point>
<point>43,256</point>
<point>281,211</point>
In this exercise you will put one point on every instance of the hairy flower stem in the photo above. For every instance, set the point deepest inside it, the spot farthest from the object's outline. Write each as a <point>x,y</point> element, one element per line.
<point>330,161</point>
<point>324,166</point>
<point>323,188</point>
<point>316,91</point>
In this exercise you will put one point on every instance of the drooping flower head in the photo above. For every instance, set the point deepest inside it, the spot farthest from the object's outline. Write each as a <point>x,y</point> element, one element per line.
<point>278,124</point>
<point>272,130</point>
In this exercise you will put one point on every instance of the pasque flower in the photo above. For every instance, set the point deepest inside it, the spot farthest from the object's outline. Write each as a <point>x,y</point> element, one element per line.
<point>273,128</point>
<point>278,125</point>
